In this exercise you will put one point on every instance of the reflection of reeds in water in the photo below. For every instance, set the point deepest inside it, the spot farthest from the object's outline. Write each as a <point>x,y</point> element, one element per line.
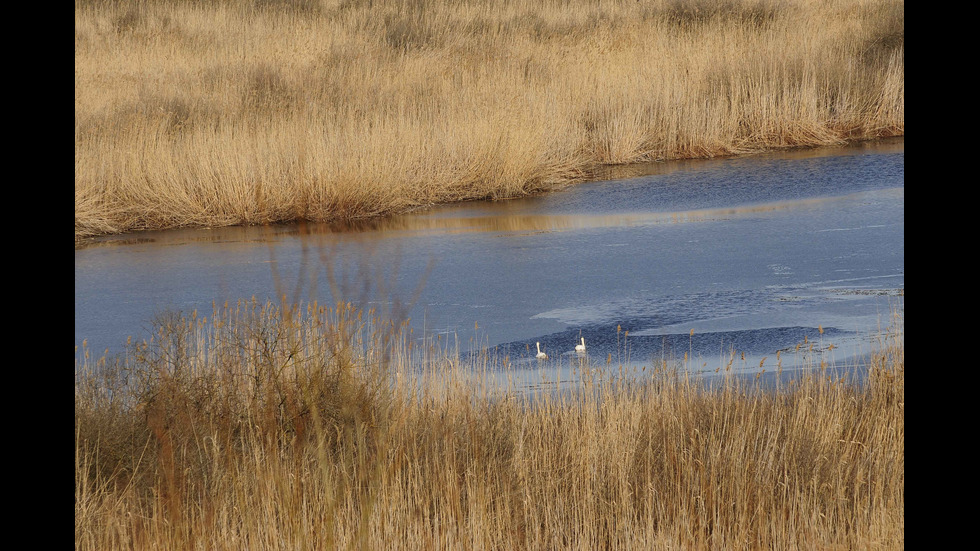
<point>560,222</point>
<point>325,427</point>
<point>220,113</point>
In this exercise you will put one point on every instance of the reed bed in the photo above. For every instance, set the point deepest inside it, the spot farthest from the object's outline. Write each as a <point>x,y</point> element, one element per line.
<point>224,112</point>
<point>264,426</point>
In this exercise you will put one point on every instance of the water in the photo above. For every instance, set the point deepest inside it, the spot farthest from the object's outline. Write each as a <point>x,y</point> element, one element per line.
<point>750,254</point>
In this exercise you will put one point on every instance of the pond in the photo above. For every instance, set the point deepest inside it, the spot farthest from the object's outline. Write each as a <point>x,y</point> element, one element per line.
<point>752,255</point>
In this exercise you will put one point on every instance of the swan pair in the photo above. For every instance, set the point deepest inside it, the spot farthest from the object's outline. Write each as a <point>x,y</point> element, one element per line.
<point>579,348</point>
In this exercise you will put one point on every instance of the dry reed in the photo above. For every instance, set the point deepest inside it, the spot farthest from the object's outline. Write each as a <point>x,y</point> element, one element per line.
<point>198,113</point>
<point>277,427</point>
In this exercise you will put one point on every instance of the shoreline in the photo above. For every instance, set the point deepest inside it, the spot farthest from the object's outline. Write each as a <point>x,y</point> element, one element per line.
<point>595,174</point>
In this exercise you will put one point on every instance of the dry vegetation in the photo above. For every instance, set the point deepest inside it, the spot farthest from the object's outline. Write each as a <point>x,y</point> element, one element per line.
<point>255,111</point>
<point>275,427</point>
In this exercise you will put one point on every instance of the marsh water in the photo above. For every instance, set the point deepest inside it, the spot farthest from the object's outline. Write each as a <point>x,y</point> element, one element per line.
<point>751,255</point>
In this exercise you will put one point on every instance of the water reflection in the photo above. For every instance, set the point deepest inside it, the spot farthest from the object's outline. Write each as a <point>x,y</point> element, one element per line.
<point>512,223</point>
<point>548,222</point>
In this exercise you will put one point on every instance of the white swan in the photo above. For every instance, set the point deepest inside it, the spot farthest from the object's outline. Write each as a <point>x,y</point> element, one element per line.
<point>541,355</point>
<point>580,348</point>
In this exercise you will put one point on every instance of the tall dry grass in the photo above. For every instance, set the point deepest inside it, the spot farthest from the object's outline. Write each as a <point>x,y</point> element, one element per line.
<point>276,427</point>
<point>204,113</point>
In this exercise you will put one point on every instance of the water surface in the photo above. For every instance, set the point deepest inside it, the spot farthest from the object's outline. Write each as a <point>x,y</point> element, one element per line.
<point>753,254</point>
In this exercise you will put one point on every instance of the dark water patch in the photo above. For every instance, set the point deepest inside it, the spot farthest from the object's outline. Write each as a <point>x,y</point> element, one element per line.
<point>610,344</point>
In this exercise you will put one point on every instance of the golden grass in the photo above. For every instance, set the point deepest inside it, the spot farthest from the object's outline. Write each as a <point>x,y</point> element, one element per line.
<point>244,112</point>
<point>265,427</point>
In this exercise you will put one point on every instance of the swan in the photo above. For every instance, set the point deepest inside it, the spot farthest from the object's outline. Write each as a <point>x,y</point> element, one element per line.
<point>580,348</point>
<point>541,355</point>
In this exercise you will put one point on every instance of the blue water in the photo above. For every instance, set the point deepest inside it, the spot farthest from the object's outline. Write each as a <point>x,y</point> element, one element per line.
<point>754,254</point>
